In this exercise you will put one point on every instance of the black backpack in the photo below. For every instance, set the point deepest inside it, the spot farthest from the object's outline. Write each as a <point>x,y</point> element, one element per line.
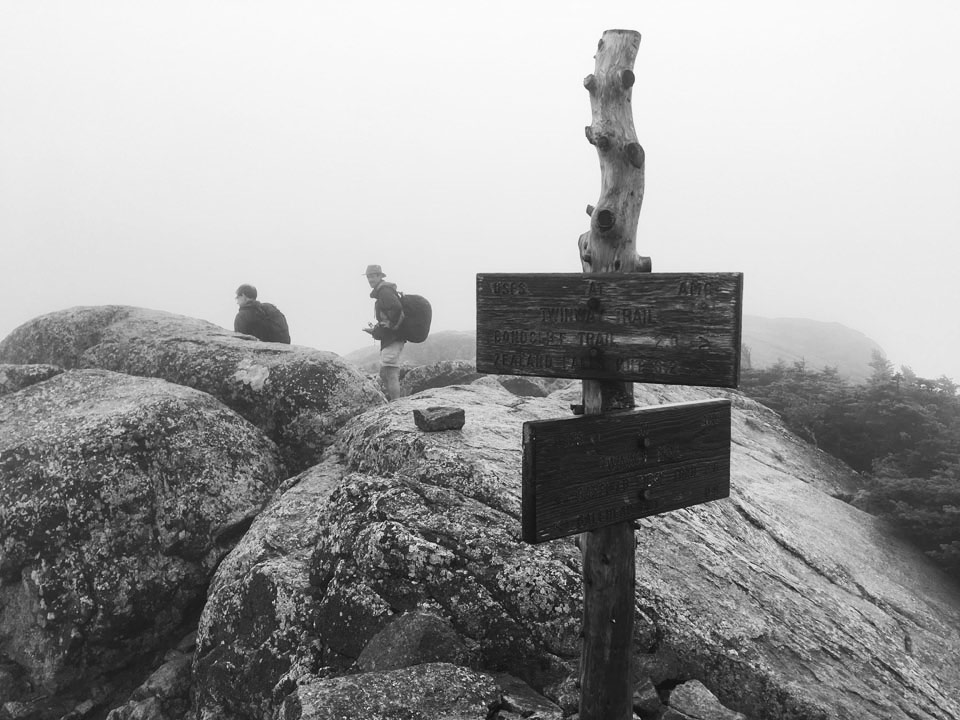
<point>417,315</point>
<point>276,323</point>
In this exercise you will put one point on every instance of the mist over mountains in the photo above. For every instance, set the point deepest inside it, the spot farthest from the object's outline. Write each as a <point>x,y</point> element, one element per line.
<point>766,341</point>
<point>818,344</point>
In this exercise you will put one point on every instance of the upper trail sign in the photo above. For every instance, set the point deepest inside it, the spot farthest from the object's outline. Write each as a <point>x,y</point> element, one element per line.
<point>672,328</point>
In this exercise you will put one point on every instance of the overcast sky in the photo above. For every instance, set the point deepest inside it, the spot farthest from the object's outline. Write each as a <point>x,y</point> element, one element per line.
<point>158,154</point>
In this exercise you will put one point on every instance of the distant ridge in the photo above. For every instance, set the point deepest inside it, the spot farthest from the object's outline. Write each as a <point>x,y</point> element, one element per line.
<point>818,344</point>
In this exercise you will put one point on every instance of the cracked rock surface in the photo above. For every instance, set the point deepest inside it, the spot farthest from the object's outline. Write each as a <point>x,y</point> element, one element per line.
<point>781,600</point>
<point>118,497</point>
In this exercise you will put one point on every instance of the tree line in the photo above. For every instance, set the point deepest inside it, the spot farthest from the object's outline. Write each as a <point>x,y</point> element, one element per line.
<point>901,432</point>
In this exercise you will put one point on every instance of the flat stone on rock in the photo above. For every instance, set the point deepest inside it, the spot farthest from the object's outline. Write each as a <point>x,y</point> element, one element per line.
<point>434,419</point>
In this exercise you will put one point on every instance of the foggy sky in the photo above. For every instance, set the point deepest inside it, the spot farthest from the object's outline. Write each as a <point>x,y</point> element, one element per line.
<point>160,154</point>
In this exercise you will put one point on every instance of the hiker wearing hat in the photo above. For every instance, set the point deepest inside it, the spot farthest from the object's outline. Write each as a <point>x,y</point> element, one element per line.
<point>388,314</point>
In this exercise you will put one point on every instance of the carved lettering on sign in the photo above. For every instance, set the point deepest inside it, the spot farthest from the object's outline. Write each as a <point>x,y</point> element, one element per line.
<point>698,288</point>
<point>644,365</point>
<point>602,488</point>
<point>593,339</point>
<point>639,317</point>
<point>509,288</point>
<point>527,337</point>
<point>669,452</point>
<point>519,360</point>
<point>677,328</point>
<point>566,315</point>
<point>623,462</point>
<point>711,419</point>
<point>594,289</point>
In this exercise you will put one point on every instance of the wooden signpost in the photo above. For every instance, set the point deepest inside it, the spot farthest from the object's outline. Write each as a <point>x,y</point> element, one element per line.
<point>612,325</point>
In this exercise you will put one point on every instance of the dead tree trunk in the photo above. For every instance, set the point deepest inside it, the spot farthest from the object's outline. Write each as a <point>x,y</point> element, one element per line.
<point>606,681</point>
<point>610,245</point>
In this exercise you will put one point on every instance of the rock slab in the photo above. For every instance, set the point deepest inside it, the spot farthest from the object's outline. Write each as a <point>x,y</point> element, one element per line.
<point>119,496</point>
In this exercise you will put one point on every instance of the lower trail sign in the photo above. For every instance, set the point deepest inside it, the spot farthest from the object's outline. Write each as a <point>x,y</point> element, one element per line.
<point>583,473</point>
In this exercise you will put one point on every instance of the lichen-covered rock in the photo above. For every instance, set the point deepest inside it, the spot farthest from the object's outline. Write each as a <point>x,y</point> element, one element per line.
<point>784,601</point>
<point>413,639</point>
<point>401,544</point>
<point>520,700</point>
<point>257,628</point>
<point>297,395</point>
<point>17,377</point>
<point>118,497</point>
<point>646,699</point>
<point>423,692</point>
<point>408,522</point>
<point>694,701</point>
<point>164,694</point>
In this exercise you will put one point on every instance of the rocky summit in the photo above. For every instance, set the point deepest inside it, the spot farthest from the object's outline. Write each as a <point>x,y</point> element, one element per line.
<point>298,396</point>
<point>162,556</point>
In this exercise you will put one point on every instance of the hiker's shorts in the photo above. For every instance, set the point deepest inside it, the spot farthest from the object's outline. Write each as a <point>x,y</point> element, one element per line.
<point>390,354</point>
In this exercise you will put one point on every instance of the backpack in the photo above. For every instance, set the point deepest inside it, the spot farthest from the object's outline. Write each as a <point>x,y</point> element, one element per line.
<point>417,315</point>
<point>276,324</point>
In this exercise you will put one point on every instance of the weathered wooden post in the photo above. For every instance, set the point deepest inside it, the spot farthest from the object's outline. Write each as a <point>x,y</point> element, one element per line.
<point>606,680</point>
<point>614,324</point>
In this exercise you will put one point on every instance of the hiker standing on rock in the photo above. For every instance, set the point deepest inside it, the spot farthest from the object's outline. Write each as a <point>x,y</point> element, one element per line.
<point>388,313</point>
<point>262,320</point>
